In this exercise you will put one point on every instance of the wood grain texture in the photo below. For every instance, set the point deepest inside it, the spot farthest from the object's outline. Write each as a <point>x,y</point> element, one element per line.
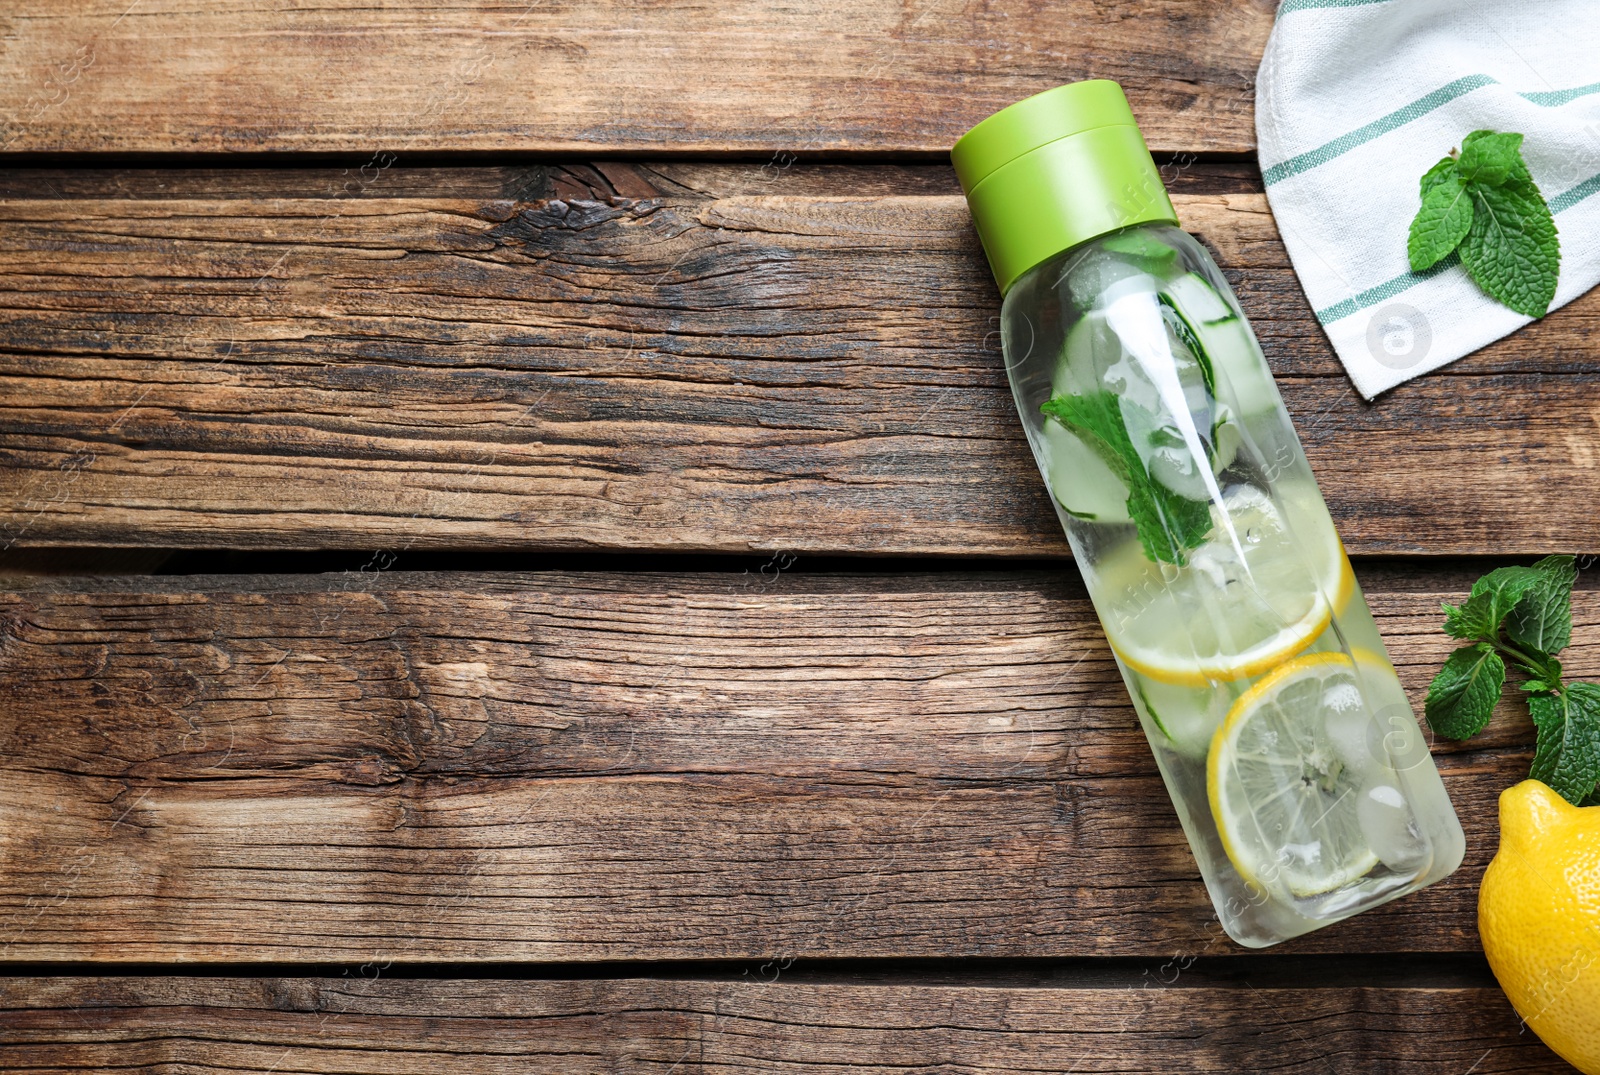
<point>611,766</point>
<point>813,76</point>
<point>343,178</point>
<point>329,1025</point>
<point>689,371</point>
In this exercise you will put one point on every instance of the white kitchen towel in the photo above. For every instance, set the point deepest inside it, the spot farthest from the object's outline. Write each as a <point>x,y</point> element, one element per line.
<point>1357,98</point>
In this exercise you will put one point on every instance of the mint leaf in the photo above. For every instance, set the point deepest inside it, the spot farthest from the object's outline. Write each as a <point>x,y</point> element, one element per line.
<point>1511,249</point>
<point>1568,753</point>
<point>1489,158</point>
<point>1520,177</point>
<point>1445,169</point>
<point>1462,697</point>
<point>1490,602</point>
<point>1542,620</point>
<point>1169,525</point>
<point>1441,223</point>
<point>1467,622</point>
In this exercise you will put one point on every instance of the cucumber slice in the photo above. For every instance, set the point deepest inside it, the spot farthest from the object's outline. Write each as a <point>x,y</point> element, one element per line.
<point>1245,381</point>
<point>1094,359</point>
<point>1227,436</point>
<point>1172,464</point>
<point>1199,301</point>
<point>1090,349</point>
<point>1187,717</point>
<point>1238,377</point>
<point>1185,334</point>
<point>1083,484</point>
<point>1229,346</point>
<point>1155,431</point>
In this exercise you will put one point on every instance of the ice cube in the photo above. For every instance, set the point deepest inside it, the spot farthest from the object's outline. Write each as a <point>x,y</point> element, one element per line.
<point>1389,827</point>
<point>1341,697</point>
<point>1349,727</point>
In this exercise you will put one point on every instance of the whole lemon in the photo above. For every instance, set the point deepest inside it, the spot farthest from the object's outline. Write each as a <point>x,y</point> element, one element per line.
<point>1539,915</point>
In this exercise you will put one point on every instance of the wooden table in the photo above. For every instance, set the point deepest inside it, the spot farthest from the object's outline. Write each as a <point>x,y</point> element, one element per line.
<point>519,557</point>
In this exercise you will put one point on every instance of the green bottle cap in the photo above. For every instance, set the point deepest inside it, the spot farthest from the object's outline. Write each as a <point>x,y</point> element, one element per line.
<point>1056,170</point>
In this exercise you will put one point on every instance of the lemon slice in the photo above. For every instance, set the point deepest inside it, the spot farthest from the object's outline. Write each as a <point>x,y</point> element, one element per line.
<point>1286,788</point>
<point>1245,602</point>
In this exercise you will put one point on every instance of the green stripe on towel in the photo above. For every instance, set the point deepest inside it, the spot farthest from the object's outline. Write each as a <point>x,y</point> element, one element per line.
<point>1552,98</point>
<point>1386,290</point>
<point>1562,202</point>
<point>1362,135</point>
<point>1400,117</point>
<point>1308,5</point>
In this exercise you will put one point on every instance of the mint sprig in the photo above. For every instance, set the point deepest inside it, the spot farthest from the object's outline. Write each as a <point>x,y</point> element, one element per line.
<point>1169,525</point>
<point>1483,204</point>
<point>1521,617</point>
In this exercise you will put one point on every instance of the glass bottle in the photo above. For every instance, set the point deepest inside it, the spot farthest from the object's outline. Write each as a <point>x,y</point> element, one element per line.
<point>1290,751</point>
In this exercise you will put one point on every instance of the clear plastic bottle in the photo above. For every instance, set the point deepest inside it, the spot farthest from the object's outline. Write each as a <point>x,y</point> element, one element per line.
<point>1289,748</point>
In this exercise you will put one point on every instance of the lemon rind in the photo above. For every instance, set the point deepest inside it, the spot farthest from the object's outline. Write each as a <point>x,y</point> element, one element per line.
<point>1237,714</point>
<point>1204,674</point>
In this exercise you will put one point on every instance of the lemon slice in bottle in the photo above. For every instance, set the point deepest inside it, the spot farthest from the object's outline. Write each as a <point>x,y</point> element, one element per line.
<point>1242,604</point>
<point>1286,792</point>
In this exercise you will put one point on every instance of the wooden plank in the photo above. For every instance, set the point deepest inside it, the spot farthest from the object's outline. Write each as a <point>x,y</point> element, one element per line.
<point>814,77</point>
<point>330,1025</point>
<point>805,373</point>
<point>617,766</point>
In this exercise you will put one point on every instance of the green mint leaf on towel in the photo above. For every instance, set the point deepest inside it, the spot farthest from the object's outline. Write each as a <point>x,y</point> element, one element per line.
<point>1444,221</point>
<point>1445,169</point>
<point>1522,615</point>
<point>1483,204</point>
<point>1169,525</point>
<point>1511,249</point>
<point>1489,158</point>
